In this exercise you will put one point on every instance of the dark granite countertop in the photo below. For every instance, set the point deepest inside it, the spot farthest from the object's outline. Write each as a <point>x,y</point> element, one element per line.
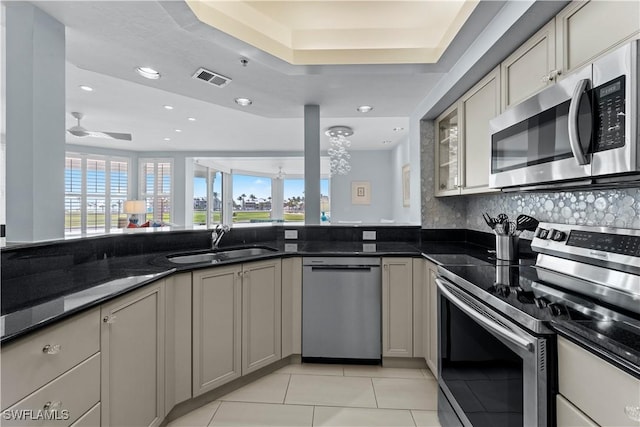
<point>71,289</point>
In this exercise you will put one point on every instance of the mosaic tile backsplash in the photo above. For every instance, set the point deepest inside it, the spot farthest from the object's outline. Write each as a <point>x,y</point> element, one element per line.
<point>611,208</point>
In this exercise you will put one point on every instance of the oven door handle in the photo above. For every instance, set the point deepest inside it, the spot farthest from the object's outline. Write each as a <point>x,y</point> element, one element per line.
<point>574,136</point>
<point>490,324</point>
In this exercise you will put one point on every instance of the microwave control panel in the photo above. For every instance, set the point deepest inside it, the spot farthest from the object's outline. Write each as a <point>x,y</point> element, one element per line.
<point>609,114</point>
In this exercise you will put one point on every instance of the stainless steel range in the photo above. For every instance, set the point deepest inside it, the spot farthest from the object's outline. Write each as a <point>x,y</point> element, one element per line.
<point>497,323</point>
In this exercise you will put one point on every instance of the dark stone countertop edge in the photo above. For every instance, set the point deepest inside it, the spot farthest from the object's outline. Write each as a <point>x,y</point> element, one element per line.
<point>388,249</point>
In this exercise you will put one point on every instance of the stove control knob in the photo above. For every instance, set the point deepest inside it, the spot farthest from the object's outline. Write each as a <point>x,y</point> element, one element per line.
<point>555,309</point>
<point>557,235</point>
<point>541,233</point>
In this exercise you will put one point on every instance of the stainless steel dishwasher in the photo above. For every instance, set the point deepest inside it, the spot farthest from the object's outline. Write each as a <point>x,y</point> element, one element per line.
<point>341,309</point>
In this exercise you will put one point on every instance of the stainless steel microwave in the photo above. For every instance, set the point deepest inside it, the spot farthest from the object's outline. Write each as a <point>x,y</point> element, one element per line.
<point>581,131</point>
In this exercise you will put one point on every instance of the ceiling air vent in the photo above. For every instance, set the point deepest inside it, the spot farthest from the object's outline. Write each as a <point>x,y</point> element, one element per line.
<point>211,77</point>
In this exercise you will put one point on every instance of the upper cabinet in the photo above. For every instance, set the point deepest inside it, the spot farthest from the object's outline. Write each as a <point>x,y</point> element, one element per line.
<point>477,107</point>
<point>586,30</point>
<point>581,32</point>
<point>463,142</point>
<point>447,179</point>
<point>530,68</point>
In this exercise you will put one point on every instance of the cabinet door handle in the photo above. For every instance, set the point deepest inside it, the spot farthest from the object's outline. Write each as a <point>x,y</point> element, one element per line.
<point>51,349</point>
<point>52,405</point>
<point>633,412</point>
<point>386,266</point>
<point>109,319</point>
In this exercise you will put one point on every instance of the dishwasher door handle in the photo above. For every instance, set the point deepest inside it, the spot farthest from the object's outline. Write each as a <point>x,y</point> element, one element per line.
<point>343,267</point>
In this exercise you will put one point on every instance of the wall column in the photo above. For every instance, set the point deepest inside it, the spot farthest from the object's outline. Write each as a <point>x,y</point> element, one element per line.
<point>277,198</point>
<point>35,124</point>
<point>312,164</point>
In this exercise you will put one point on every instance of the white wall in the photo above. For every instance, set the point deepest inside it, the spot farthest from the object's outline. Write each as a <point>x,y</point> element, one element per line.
<point>400,156</point>
<point>374,167</point>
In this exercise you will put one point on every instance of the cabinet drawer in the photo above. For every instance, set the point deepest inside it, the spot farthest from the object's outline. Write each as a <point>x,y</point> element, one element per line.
<point>598,388</point>
<point>570,416</point>
<point>26,366</point>
<point>90,419</point>
<point>71,394</point>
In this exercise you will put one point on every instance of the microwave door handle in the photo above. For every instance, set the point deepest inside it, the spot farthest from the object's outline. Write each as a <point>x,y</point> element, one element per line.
<point>488,323</point>
<point>574,137</point>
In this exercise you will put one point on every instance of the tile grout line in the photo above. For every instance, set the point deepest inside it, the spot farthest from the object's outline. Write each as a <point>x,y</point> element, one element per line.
<point>214,414</point>
<point>413,418</point>
<point>375,396</point>
<point>313,415</point>
<point>284,399</point>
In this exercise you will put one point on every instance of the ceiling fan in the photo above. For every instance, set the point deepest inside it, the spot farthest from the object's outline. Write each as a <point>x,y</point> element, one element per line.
<point>81,132</point>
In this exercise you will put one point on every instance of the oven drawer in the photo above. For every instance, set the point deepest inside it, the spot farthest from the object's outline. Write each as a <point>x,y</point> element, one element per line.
<point>568,415</point>
<point>597,388</point>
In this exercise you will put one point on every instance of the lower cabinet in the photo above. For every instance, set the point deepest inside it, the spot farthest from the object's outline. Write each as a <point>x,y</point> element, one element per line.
<point>236,322</point>
<point>178,345</point>
<point>397,307</point>
<point>291,306</point>
<point>430,316</point>
<point>132,344</point>
<point>593,391</point>
<point>261,314</point>
<point>217,324</point>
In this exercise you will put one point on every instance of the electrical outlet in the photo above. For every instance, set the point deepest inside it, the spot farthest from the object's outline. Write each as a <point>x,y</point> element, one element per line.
<point>368,247</point>
<point>368,235</point>
<point>291,247</point>
<point>290,234</point>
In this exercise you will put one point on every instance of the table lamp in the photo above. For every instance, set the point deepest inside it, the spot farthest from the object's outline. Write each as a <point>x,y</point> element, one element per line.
<point>133,208</point>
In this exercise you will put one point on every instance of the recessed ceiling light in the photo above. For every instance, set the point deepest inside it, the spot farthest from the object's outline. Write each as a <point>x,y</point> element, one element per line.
<point>364,108</point>
<point>191,119</point>
<point>168,107</point>
<point>86,88</point>
<point>148,73</point>
<point>178,130</point>
<point>398,129</point>
<point>243,102</point>
<point>167,139</point>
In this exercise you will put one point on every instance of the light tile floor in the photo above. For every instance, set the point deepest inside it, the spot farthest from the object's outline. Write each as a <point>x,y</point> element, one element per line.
<point>310,395</point>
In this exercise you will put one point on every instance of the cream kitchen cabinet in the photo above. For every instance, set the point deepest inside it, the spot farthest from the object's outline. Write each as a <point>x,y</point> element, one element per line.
<point>596,390</point>
<point>568,415</point>
<point>291,306</point>
<point>30,362</point>
<point>217,327</point>
<point>236,322</point>
<point>431,303</point>
<point>463,142</point>
<point>133,352</point>
<point>477,107</point>
<point>261,314</point>
<point>178,339</point>
<point>530,68</point>
<point>588,29</point>
<point>447,153</point>
<point>397,307</point>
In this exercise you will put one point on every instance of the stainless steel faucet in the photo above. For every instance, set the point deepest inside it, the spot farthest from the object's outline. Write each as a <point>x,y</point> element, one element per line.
<point>217,234</point>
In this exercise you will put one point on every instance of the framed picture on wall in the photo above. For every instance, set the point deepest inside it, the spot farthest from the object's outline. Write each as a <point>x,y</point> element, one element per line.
<point>360,193</point>
<point>406,185</point>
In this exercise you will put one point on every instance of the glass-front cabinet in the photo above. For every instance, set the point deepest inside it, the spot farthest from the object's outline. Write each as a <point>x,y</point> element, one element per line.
<point>447,146</point>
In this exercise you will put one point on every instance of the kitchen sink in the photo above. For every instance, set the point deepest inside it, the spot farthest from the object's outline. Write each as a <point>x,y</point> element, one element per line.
<point>219,256</point>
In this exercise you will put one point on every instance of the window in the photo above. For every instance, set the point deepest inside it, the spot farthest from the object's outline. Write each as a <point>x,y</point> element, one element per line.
<point>95,190</point>
<point>251,198</point>
<point>294,205</point>
<point>155,189</point>
<point>294,200</point>
<point>207,196</point>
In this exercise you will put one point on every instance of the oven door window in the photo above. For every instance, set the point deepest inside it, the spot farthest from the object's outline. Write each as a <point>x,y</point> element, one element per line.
<point>484,376</point>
